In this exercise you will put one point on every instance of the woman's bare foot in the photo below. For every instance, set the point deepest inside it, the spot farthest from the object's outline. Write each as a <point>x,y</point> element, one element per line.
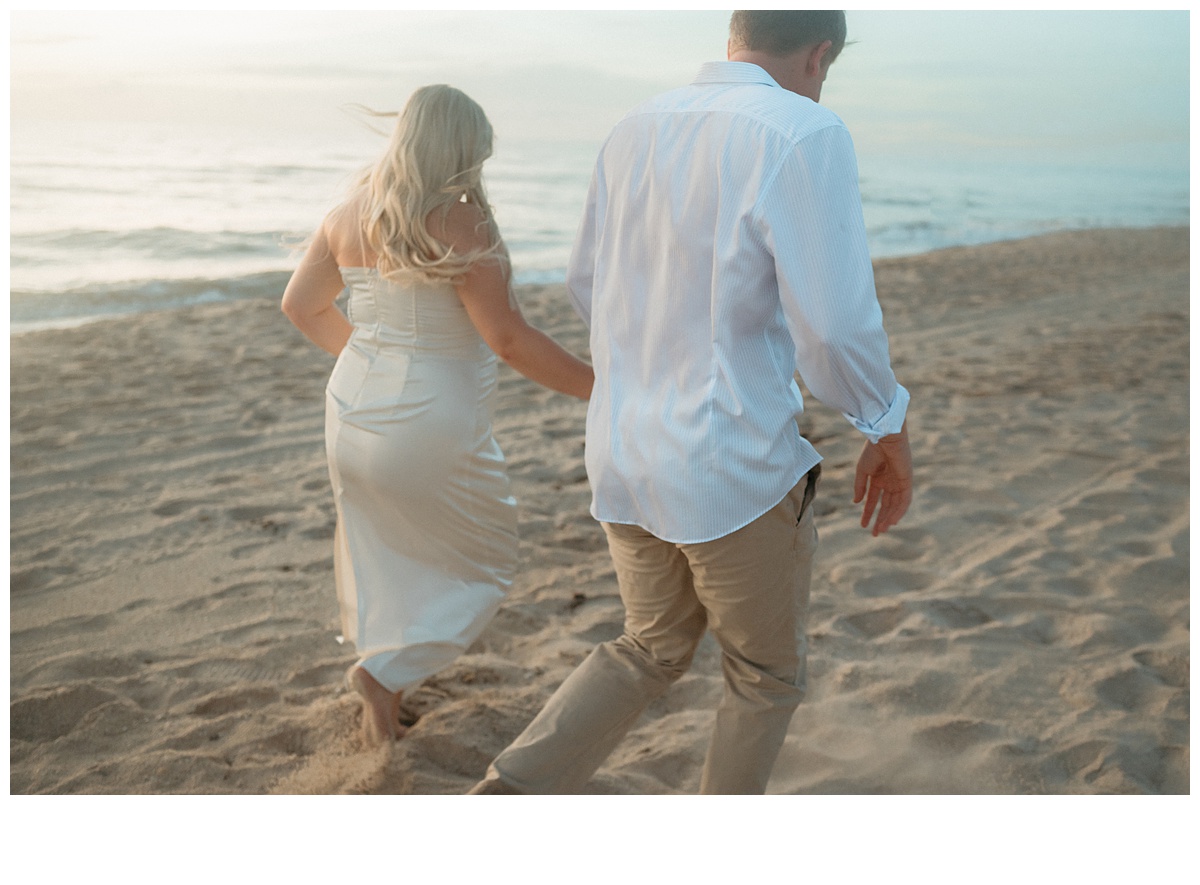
<point>381,708</point>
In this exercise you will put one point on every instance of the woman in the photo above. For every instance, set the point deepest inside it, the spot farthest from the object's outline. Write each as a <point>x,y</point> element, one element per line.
<point>426,542</point>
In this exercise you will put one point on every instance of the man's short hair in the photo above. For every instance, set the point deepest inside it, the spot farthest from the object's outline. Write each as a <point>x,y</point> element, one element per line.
<point>784,31</point>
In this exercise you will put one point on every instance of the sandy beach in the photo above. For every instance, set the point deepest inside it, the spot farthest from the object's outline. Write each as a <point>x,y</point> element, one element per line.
<point>1024,630</point>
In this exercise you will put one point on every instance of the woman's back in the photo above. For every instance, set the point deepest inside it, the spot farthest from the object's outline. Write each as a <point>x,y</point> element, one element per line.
<point>410,312</point>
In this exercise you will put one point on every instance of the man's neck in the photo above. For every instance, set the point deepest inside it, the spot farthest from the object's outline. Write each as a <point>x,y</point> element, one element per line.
<point>789,71</point>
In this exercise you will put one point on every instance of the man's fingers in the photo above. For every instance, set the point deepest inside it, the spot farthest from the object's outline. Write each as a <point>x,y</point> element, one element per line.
<point>860,484</point>
<point>881,521</point>
<point>873,493</point>
<point>892,509</point>
<point>888,515</point>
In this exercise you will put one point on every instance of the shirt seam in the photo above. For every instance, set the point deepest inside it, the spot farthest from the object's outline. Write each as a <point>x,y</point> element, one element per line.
<point>769,182</point>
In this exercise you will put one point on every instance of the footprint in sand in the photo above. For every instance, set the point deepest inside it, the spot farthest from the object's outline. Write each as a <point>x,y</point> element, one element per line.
<point>259,513</point>
<point>318,533</point>
<point>519,620</point>
<point>223,671</point>
<point>1079,758</point>
<point>890,583</point>
<point>232,441</point>
<point>266,631</point>
<point>873,624</point>
<point>117,717</point>
<point>604,629</point>
<point>1057,562</point>
<point>24,580</point>
<point>1128,766</point>
<point>1167,573</point>
<point>1130,690</point>
<point>947,493</point>
<point>1134,549</point>
<point>201,389</point>
<point>90,623</point>
<point>588,543</point>
<point>1170,669</point>
<point>233,592</point>
<point>320,566</point>
<point>326,674</point>
<point>49,714</point>
<point>957,614</point>
<point>958,735</point>
<point>287,740</point>
<point>931,691</point>
<point>258,418</point>
<point>907,545</point>
<point>75,666</point>
<point>50,553</point>
<point>1163,480</point>
<point>464,679</point>
<point>1097,632</point>
<point>1066,585</point>
<point>265,517</point>
<point>224,702</point>
<point>174,507</point>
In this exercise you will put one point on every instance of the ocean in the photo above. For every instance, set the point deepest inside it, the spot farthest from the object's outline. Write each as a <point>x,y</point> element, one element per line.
<point>123,218</point>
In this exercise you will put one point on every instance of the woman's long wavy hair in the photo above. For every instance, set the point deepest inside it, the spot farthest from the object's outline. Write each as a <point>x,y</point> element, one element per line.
<point>434,159</point>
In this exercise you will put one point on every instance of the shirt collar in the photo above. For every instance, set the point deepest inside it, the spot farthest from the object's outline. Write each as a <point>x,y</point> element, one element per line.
<point>733,72</point>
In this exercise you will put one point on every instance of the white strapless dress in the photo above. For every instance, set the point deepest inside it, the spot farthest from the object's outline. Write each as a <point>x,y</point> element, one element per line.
<point>426,542</point>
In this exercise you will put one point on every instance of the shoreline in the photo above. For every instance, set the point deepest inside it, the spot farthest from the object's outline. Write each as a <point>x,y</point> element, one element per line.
<point>260,283</point>
<point>173,623</point>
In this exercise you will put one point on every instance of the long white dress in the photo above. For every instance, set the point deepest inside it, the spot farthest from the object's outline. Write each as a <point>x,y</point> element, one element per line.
<point>426,540</point>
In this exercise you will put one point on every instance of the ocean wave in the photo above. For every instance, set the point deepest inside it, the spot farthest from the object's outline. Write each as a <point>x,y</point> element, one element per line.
<point>154,243</point>
<point>34,309</point>
<point>30,310</point>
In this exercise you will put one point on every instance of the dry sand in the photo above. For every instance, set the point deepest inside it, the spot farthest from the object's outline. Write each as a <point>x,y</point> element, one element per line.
<point>1024,630</point>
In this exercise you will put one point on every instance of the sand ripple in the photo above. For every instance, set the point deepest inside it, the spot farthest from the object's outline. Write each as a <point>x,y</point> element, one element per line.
<point>1025,630</point>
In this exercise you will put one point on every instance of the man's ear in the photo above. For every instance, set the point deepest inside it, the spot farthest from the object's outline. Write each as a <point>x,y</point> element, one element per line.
<point>815,64</point>
<point>729,49</point>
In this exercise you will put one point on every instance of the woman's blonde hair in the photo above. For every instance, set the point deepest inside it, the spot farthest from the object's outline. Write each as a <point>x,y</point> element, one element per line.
<point>434,159</point>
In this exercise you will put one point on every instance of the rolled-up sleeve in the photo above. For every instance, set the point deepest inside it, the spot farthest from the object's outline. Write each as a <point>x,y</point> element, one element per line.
<point>810,217</point>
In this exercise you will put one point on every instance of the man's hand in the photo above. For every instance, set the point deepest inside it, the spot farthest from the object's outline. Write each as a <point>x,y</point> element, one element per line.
<point>884,475</point>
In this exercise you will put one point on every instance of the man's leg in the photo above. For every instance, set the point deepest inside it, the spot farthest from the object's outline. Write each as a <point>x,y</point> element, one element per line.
<point>593,709</point>
<point>754,584</point>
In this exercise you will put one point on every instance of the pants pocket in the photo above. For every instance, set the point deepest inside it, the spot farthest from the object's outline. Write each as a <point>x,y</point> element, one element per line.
<point>810,491</point>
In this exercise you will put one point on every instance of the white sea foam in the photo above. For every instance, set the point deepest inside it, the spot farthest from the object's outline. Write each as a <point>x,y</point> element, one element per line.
<point>129,218</point>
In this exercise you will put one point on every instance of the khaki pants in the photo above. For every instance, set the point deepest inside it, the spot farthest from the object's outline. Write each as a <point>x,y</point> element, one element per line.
<point>751,589</point>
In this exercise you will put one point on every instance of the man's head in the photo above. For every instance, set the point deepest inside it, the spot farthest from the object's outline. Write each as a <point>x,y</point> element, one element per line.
<point>796,47</point>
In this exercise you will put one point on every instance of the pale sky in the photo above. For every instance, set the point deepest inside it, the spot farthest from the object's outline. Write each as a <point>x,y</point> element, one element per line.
<point>966,79</point>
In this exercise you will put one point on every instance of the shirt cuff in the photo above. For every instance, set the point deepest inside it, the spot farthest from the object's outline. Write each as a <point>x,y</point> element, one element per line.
<point>891,422</point>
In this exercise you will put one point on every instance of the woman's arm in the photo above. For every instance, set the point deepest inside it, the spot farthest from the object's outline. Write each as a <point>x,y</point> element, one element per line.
<point>309,298</point>
<point>485,293</point>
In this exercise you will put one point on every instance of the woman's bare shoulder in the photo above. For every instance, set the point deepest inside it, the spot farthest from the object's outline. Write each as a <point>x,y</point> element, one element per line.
<point>343,231</point>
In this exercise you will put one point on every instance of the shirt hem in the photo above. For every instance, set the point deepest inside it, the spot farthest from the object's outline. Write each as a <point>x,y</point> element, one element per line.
<point>721,534</point>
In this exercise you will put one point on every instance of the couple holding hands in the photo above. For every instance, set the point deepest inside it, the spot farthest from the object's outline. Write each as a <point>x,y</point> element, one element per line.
<point>721,251</point>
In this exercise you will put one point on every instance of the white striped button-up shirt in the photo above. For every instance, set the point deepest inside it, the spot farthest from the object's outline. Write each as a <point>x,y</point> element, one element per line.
<point>722,250</point>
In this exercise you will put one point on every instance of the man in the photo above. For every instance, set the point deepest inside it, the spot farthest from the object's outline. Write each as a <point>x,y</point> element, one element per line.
<point>722,249</point>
